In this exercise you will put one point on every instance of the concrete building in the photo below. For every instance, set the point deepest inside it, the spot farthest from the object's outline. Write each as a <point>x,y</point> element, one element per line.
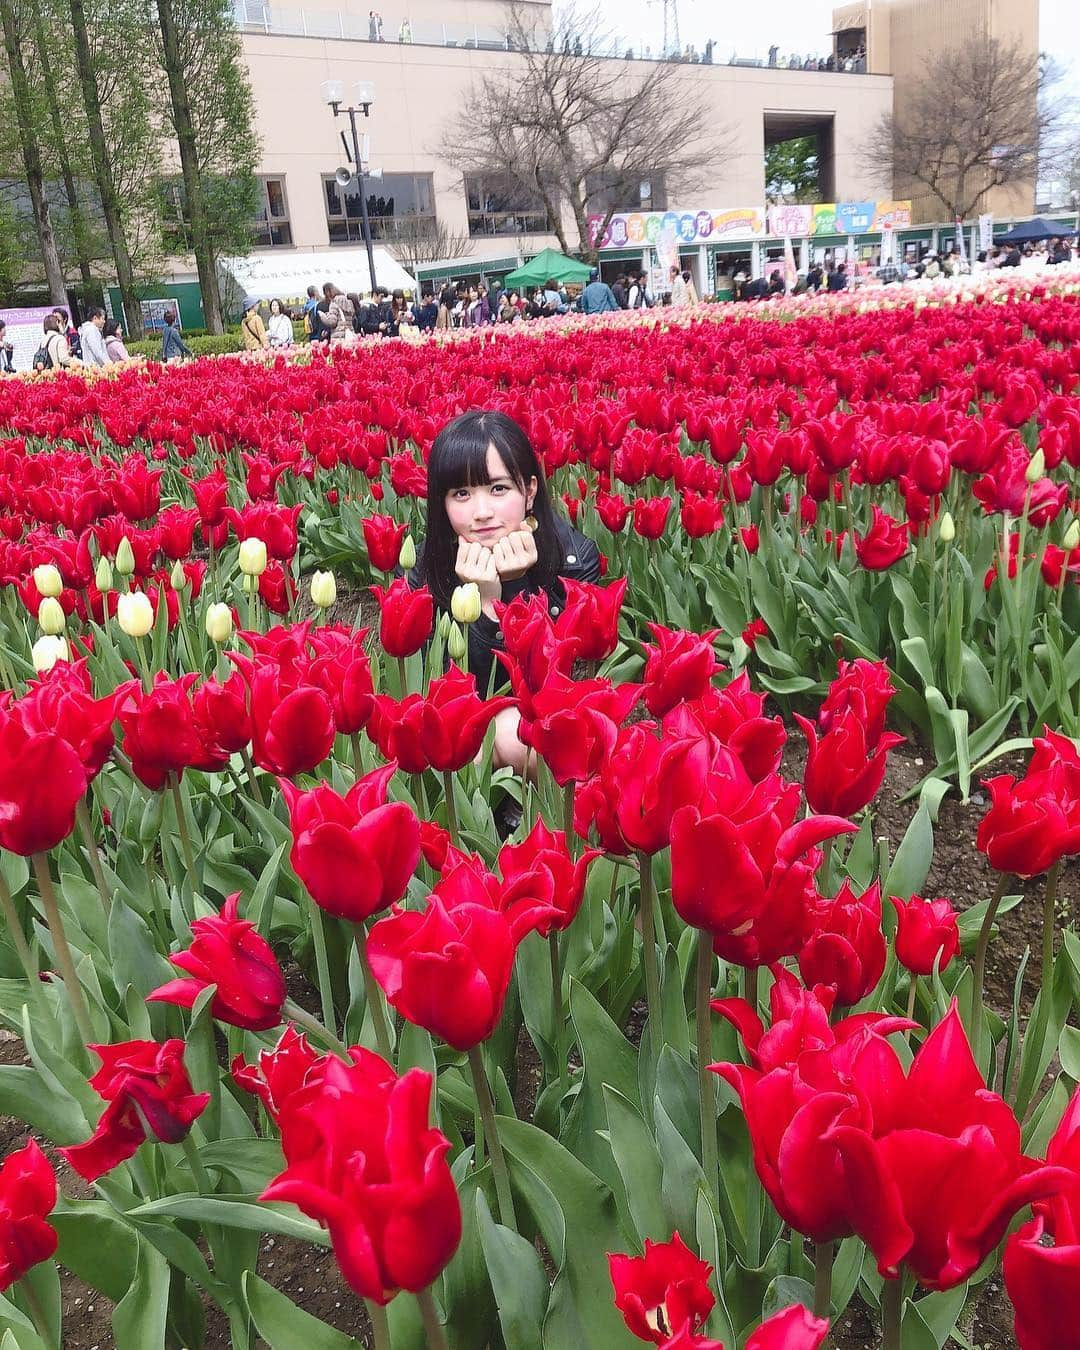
<point>423,73</point>
<point>894,37</point>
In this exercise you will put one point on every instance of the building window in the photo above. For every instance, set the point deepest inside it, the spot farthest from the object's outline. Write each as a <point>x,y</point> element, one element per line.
<point>390,199</point>
<point>499,205</point>
<point>271,228</point>
<point>627,190</point>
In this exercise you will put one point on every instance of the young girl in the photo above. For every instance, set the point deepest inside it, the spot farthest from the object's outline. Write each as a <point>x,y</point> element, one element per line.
<point>490,521</point>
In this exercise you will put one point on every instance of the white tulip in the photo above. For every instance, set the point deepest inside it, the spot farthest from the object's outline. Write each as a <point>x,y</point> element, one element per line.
<point>134,614</point>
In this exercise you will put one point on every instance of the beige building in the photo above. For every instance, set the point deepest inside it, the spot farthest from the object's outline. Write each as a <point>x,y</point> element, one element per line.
<point>423,72</point>
<point>893,37</point>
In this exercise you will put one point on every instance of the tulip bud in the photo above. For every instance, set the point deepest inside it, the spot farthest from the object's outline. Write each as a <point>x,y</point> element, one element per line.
<point>1036,468</point>
<point>946,528</point>
<point>135,614</point>
<point>252,557</point>
<point>1072,536</point>
<point>103,575</point>
<point>250,584</point>
<point>465,603</point>
<point>51,617</point>
<point>456,645</point>
<point>125,558</point>
<point>178,577</point>
<point>407,556</point>
<point>219,624</point>
<point>323,590</point>
<point>442,623</point>
<point>48,580</point>
<point>47,650</point>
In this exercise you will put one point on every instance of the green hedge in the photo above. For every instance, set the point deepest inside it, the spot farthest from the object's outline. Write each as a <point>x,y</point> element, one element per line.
<point>210,344</point>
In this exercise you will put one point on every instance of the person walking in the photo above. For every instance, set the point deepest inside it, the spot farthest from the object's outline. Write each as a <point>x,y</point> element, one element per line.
<point>55,347</point>
<point>252,328</point>
<point>337,318</point>
<point>279,330</point>
<point>680,296</point>
<point>597,297</point>
<point>620,292</point>
<point>311,322</point>
<point>173,346</point>
<point>91,338</point>
<point>114,342</point>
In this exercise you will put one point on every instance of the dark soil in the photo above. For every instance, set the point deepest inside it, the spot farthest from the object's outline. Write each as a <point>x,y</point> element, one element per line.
<point>310,1276</point>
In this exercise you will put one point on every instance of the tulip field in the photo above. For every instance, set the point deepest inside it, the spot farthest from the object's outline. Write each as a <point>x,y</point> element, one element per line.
<point>695,1056</point>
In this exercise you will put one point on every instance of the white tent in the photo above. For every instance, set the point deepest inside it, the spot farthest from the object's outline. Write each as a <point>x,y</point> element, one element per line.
<point>287,275</point>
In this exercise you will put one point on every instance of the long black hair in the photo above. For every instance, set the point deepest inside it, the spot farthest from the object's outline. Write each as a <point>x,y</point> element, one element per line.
<point>459,459</point>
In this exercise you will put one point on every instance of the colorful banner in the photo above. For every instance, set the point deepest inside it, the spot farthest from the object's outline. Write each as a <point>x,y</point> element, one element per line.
<point>804,220</point>
<point>629,229</point>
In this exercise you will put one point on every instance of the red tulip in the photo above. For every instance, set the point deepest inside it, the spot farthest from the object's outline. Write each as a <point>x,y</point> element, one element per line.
<point>362,1159</point>
<point>279,1072</point>
<point>149,1095</point>
<point>541,868</point>
<point>407,617</point>
<point>447,967</point>
<point>591,617</point>
<point>650,516</point>
<point>341,667</point>
<point>443,730</point>
<point>355,854</point>
<point>27,1198</point>
<point>646,780</point>
<point>926,933</point>
<point>663,1291</point>
<point>846,949</point>
<point>861,688</point>
<point>383,537</point>
<point>883,544</point>
<point>42,780</point>
<point>228,952</point>
<point>161,733</point>
<point>678,669</point>
<point>292,721</point>
<point>613,511</point>
<point>573,724</point>
<point>63,702</point>
<point>221,713</point>
<point>734,716</point>
<point>533,648</point>
<point>1034,821</point>
<point>843,771</point>
<point>794,1328</point>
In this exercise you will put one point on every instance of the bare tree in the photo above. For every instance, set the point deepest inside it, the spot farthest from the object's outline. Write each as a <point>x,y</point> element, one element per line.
<point>567,124</point>
<point>980,117</point>
<point>420,239</point>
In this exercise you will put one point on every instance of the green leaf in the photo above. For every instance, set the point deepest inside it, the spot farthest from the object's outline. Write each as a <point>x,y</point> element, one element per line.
<point>252,1163</point>
<point>96,1245</point>
<point>284,1326</point>
<point>260,907</point>
<point>609,1060</point>
<point>140,1316</point>
<point>518,1279</point>
<point>785,1291</point>
<point>640,1168</point>
<point>134,957</point>
<point>26,1096</point>
<point>939,1312</point>
<point>576,1215</point>
<point>1069,1052</point>
<point>236,1211</point>
<point>911,863</point>
<point>914,1333</point>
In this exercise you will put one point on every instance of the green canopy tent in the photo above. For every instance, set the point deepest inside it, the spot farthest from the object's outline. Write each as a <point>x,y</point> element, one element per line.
<point>549,264</point>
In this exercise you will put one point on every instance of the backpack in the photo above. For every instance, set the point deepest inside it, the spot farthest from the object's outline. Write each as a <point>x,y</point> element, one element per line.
<point>43,357</point>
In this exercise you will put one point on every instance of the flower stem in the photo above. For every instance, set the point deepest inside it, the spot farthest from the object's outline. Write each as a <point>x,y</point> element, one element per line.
<point>979,972</point>
<point>498,1161</point>
<point>181,820</point>
<point>892,1307</point>
<point>376,1006</point>
<point>558,1015</point>
<point>433,1330</point>
<point>403,677</point>
<point>1046,988</point>
<point>648,939</point>
<point>18,937</point>
<point>568,817</point>
<point>322,968</point>
<point>380,1327</point>
<point>823,1264</point>
<point>357,754</point>
<point>63,952</point>
<point>303,1018</point>
<point>451,807</point>
<point>195,1162</point>
<point>254,786</point>
<point>86,828</point>
<point>913,993</point>
<point>706,1081</point>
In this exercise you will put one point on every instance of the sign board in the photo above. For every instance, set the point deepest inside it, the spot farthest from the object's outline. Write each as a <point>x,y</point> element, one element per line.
<point>153,313</point>
<point>818,218</point>
<point>986,232</point>
<point>25,333</point>
<point>703,225</point>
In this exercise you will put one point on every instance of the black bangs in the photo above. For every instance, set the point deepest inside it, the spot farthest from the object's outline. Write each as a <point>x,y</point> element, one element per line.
<point>460,453</point>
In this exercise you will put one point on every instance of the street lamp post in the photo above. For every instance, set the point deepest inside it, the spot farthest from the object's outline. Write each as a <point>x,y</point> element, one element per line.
<point>333,92</point>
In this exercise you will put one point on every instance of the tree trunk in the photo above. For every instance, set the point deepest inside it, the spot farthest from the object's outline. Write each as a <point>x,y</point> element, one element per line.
<point>198,218</point>
<point>110,200</point>
<point>78,225</point>
<point>35,180</point>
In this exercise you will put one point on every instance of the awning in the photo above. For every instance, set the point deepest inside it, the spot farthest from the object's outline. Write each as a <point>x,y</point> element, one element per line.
<point>286,274</point>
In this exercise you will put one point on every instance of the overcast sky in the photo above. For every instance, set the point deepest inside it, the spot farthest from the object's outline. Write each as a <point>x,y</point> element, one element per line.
<point>795,25</point>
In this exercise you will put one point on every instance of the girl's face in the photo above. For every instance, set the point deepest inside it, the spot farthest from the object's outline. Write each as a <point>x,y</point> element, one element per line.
<point>487,512</point>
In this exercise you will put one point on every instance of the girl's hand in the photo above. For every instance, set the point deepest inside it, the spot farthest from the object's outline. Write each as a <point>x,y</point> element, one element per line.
<point>514,554</point>
<point>475,562</point>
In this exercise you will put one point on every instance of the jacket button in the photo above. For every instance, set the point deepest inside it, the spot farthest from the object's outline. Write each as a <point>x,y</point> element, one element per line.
<point>571,557</point>
<point>554,609</point>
